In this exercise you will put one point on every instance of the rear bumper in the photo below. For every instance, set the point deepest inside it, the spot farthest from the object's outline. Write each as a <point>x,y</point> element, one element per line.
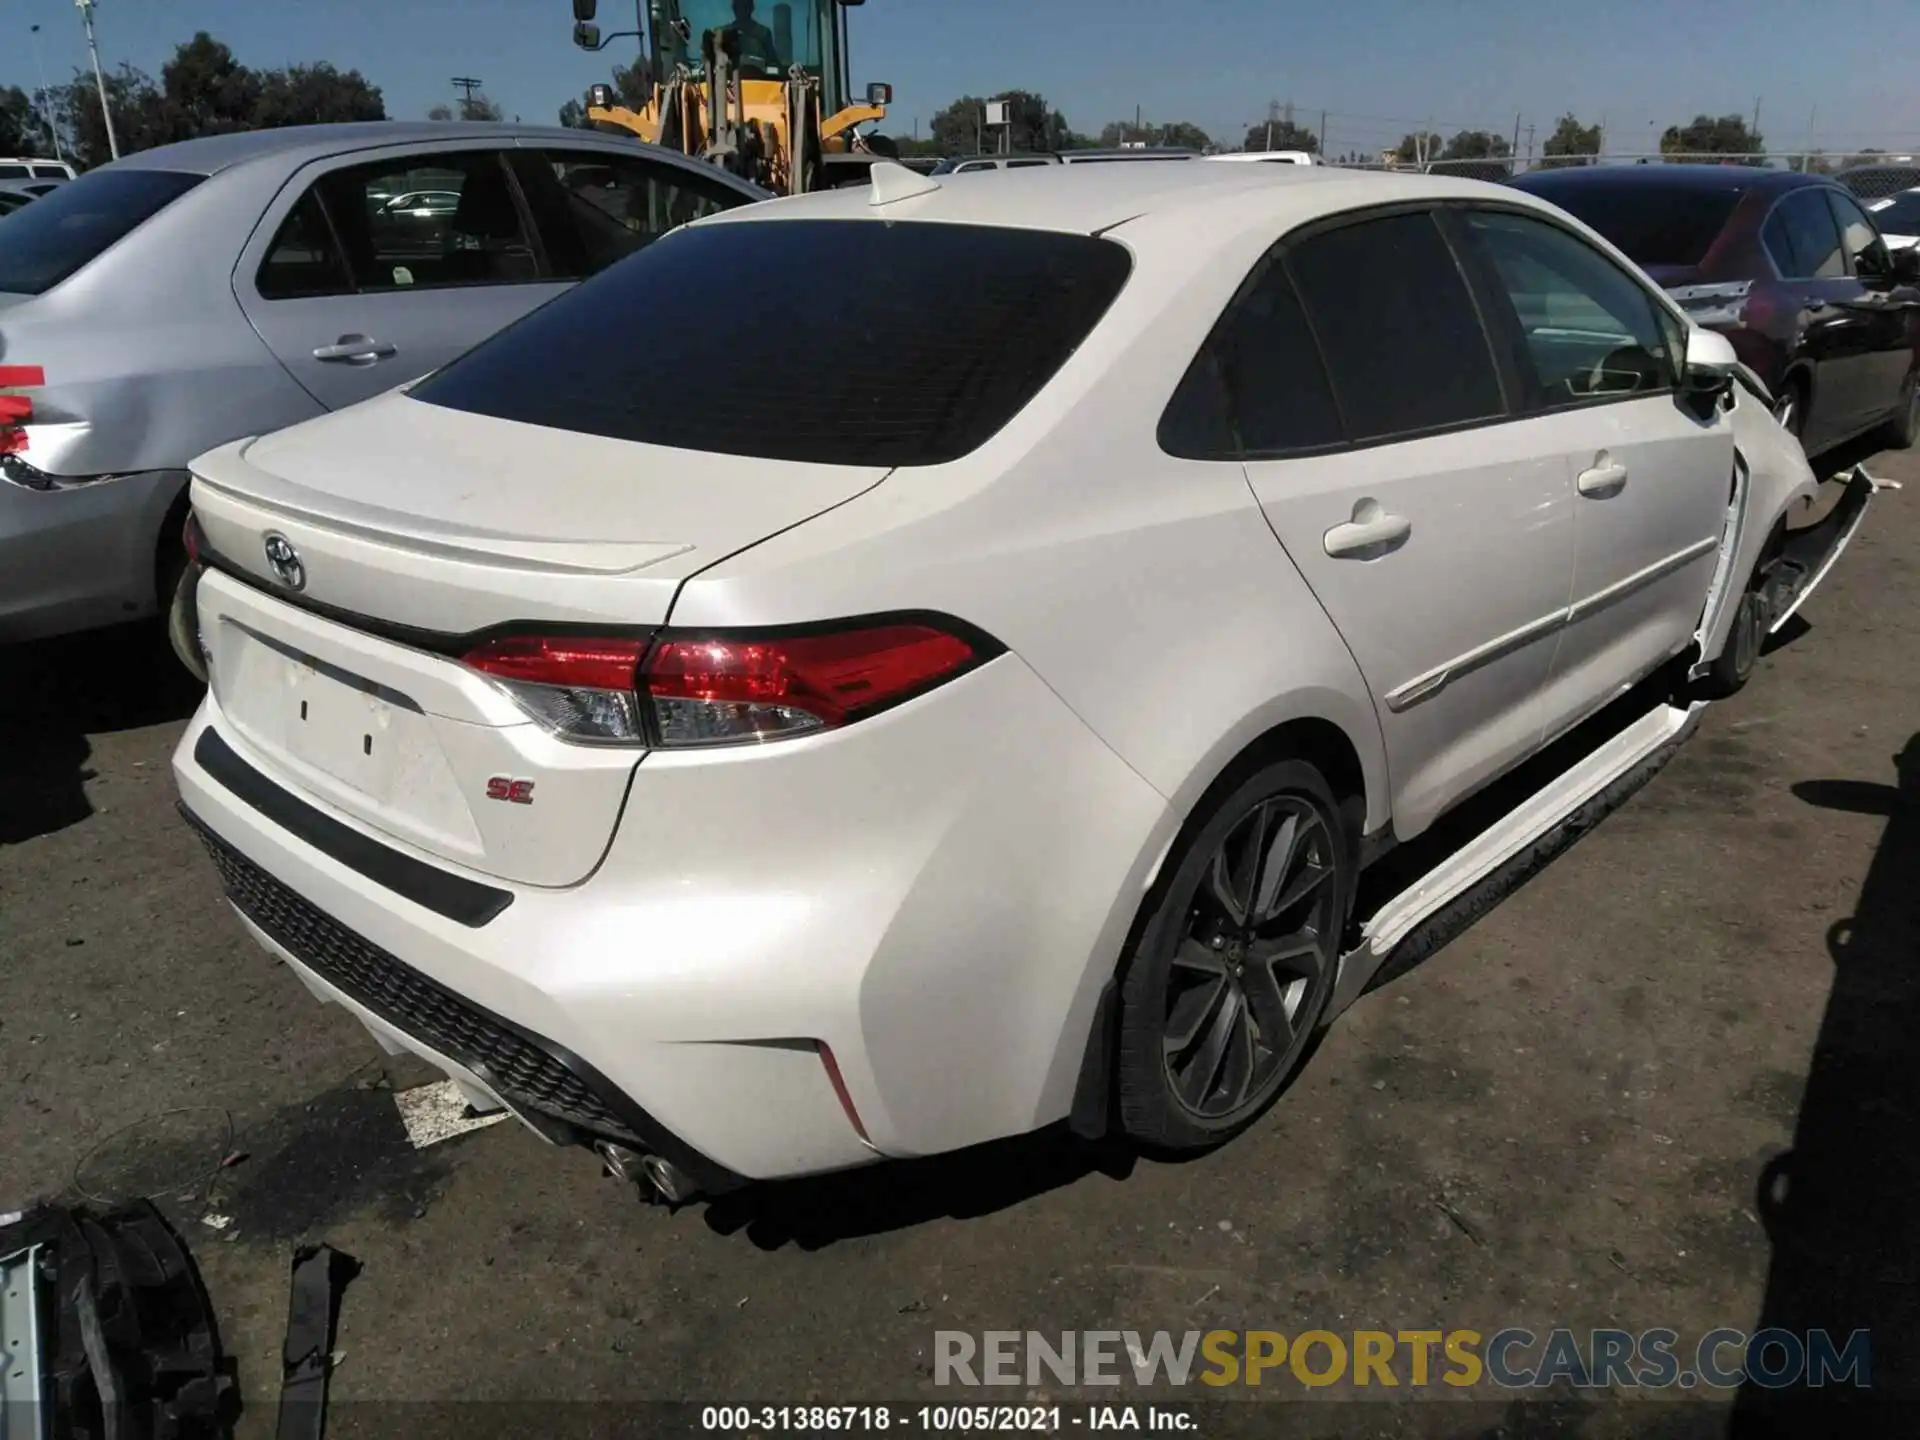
<point>75,558</point>
<point>937,895</point>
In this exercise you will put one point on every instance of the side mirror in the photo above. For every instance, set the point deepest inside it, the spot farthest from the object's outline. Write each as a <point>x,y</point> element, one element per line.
<point>583,10</point>
<point>600,96</point>
<point>586,36</point>
<point>880,95</point>
<point>1709,364</point>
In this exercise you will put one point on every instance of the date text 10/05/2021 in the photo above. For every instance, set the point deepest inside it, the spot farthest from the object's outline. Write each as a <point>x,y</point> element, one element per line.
<point>1037,1419</point>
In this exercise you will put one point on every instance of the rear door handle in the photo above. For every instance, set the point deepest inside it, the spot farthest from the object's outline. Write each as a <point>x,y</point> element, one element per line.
<point>1601,482</point>
<point>353,348</point>
<point>1371,533</point>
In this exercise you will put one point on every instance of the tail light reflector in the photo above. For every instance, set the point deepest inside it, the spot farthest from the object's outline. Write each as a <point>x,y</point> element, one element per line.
<point>17,410</point>
<point>723,688</point>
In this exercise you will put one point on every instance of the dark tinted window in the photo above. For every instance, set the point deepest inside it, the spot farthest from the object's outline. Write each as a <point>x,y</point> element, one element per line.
<point>304,261</point>
<point>47,241</point>
<point>15,172</point>
<point>851,342</point>
<point>1802,238</point>
<point>1590,331</point>
<point>50,172</point>
<point>1866,251</point>
<point>1262,371</point>
<point>11,201</point>
<point>428,221</point>
<point>1397,326</point>
<point>1899,216</point>
<point>1652,224</point>
<point>594,208</point>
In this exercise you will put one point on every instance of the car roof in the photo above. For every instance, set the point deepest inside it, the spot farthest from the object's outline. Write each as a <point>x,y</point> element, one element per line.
<point>1693,178</point>
<point>295,145</point>
<point>1088,199</point>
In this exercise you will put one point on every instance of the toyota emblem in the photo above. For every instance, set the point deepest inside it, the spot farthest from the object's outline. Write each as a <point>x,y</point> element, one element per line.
<point>285,560</point>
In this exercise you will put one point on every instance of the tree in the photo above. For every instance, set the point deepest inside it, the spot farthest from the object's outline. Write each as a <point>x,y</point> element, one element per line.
<point>23,128</point>
<point>960,129</point>
<point>1281,135</point>
<point>478,106</point>
<point>316,95</point>
<point>1570,144</point>
<point>440,112</point>
<point>206,91</point>
<point>1707,136</point>
<point>140,119</point>
<point>1418,148</point>
<point>1476,145</point>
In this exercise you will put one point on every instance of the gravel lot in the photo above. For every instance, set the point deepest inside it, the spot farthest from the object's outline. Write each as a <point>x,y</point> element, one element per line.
<point>1671,1081</point>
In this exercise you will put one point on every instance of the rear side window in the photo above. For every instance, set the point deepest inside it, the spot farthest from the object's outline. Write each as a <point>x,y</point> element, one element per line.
<point>304,260</point>
<point>47,241</point>
<point>430,221</point>
<point>1803,240</point>
<point>50,172</point>
<point>1652,224</point>
<point>594,208</point>
<point>841,342</point>
<point>15,172</point>
<point>1258,387</point>
<point>1397,325</point>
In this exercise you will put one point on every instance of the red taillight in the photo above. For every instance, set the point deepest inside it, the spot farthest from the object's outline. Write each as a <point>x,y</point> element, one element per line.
<point>17,410</point>
<point>721,688</point>
<point>839,1083</point>
<point>191,538</point>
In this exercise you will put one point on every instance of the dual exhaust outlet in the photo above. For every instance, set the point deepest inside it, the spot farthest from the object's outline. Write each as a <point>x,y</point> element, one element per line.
<point>649,1172</point>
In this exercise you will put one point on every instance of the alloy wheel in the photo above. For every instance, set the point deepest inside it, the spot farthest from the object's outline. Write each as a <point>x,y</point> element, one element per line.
<point>1260,935</point>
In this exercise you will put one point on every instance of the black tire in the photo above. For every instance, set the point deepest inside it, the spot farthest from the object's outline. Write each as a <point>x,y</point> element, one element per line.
<point>1902,429</point>
<point>1790,407</point>
<point>1734,665</point>
<point>1195,975</point>
<point>183,626</point>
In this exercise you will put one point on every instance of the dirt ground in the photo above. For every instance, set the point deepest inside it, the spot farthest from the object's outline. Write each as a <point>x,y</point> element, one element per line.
<point>1669,1082</point>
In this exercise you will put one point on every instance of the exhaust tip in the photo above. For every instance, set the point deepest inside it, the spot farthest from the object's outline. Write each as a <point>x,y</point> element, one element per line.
<point>649,1172</point>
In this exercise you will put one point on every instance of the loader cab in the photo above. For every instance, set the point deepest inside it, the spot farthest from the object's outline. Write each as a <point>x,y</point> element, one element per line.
<point>767,37</point>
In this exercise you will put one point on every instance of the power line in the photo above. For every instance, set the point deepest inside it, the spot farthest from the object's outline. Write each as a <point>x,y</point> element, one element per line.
<point>466,85</point>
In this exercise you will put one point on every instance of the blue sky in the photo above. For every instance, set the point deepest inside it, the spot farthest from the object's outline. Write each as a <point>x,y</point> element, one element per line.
<point>1379,67</point>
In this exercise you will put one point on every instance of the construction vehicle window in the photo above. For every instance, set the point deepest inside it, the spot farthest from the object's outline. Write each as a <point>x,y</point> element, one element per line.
<point>431,221</point>
<point>304,261</point>
<point>765,38</point>
<point>839,342</point>
<point>594,207</point>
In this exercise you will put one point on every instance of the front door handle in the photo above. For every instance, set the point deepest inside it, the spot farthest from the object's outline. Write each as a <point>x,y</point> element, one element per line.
<point>1603,481</point>
<point>355,349</point>
<point>1371,533</point>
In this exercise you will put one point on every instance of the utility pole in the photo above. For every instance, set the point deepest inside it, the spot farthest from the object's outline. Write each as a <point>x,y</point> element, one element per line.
<point>1806,161</point>
<point>46,96</point>
<point>99,81</point>
<point>1753,130</point>
<point>1514,149</point>
<point>1323,134</point>
<point>1529,147</point>
<point>466,85</point>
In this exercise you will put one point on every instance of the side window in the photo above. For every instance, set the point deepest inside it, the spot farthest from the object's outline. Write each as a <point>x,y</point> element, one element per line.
<point>431,221</point>
<point>1803,240</point>
<point>50,172</point>
<point>1397,326</point>
<point>1257,387</point>
<point>1866,251</point>
<point>303,261</point>
<point>1590,330</point>
<point>594,207</point>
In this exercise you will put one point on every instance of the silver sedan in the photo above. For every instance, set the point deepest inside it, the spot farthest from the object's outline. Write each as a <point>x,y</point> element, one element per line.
<point>186,296</point>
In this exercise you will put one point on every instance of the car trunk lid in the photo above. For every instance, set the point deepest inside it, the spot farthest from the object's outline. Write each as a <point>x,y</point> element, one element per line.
<point>402,532</point>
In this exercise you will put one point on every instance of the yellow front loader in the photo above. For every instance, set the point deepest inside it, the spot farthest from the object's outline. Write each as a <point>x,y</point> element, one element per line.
<point>760,89</point>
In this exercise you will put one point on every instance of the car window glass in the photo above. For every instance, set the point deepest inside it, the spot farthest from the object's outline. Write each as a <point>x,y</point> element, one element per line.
<point>15,172</point>
<point>1803,240</point>
<point>303,260</point>
<point>1397,326</point>
<point>1272,379</point>
<point>427,221</point>
<point>50,172</point>
<point>1900,215</point>
<point>1866,251</point>
<point>594,207</point>
<point>1649,224</point>
<point>1589,329</point>
<point>1023,164</point>
<point>976,165</point>
<point>50,239</point>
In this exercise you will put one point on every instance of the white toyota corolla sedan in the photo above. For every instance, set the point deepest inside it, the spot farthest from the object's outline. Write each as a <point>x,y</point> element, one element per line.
<point>888,669</point>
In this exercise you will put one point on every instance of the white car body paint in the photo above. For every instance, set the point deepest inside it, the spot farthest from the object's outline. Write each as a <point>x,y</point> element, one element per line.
<point>938,893</point>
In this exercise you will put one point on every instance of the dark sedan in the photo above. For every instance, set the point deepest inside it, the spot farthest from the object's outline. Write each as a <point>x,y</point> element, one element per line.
<point>1790,267</point>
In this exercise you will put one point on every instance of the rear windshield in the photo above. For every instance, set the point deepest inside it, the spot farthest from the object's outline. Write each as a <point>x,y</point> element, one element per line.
<point>1653,224</point>
<point>14,172</point>
<point>841,342</point>
<point>53,237</point>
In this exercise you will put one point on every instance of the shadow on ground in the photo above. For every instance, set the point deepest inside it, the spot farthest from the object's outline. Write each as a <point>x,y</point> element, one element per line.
<point>815,1213</point>
<point>1842,1207</point>
<point>56,693</point>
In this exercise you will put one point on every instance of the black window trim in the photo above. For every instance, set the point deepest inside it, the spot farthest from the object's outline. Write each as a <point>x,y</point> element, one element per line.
<point>1835,194</point>
<point>1507,374</point>
<point>310,178</point>
<point>1484,274</point>
<point>663,173</point>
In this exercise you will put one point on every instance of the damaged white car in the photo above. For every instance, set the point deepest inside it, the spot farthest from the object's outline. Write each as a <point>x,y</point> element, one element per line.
<point>755,760</point>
